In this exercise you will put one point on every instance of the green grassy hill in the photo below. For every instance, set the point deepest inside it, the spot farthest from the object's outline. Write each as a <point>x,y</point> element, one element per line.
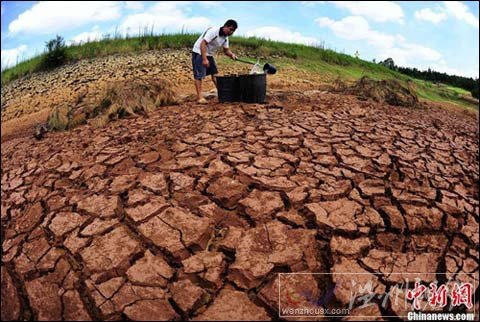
<point>330,64</point>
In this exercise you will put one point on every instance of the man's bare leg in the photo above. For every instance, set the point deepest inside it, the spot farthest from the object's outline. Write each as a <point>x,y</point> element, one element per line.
<point>198,87</point>
<point>214,80</point>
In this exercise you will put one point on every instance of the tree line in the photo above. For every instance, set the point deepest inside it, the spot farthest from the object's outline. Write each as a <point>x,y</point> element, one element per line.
<point>468,84</point>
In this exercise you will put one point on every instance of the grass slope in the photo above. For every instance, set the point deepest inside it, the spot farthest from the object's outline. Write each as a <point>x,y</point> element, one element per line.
<point>330,64</point>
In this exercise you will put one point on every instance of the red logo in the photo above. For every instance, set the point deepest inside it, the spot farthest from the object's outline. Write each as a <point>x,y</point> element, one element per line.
<point>416,294</point>
<point>438,296</point>
<point>462,295</point>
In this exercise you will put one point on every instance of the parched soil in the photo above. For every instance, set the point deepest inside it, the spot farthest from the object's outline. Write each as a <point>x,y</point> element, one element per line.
<point>192,212</point>
<point>27,102</point>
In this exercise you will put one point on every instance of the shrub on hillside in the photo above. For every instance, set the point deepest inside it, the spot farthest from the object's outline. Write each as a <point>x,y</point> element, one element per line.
<point>56,54</point>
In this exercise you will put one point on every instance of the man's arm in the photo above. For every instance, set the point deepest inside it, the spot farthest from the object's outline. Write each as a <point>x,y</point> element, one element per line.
<point>229,53</point>
<point>203,50</point>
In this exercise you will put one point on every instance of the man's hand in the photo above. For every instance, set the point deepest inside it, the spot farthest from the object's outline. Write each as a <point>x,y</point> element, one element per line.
<point>228,53</point>
<point>205,62</point>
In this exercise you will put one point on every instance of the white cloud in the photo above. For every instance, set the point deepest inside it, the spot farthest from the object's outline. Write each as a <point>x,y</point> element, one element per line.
<point>356,28</point>
<point>86,36</point>
<point>11,56</point>
<point>324,21</point>
<point>442,67</point>
<point>312,3</point>
<point>53,17</point>
<point>164,17</point>
<point>404,53</point>
<point>210,4</point>
<point>409,54</point>
<point>461,12</point>
<point>280,34</point>
<point>452,9</point>
<point>421,52</point>
<point>378,11</point>
<point>429,15</point>
<point>133,5</point>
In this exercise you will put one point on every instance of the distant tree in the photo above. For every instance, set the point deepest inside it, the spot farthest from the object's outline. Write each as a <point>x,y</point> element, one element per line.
<point>474,91</point>
<point>389,63</point>
<point>468,84</point>
<point>56,53</point>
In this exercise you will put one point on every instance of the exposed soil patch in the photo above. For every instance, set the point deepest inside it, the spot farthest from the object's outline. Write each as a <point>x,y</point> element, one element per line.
<point>119,99</point>
<point>384,91</point>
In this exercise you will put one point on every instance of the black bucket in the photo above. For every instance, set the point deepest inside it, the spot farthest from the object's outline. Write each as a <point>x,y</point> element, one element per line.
<point>228,88</point>
<point>253,88</point>
<point>269,69</point>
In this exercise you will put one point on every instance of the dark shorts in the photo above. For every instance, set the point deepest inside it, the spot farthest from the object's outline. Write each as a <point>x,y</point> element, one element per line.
<point>200,71</point>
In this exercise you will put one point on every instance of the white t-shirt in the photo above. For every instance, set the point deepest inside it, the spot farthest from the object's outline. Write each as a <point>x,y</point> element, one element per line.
<point>213,39</point>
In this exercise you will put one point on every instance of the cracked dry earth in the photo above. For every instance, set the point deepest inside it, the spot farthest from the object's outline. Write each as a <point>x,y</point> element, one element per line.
<point>192,212</point>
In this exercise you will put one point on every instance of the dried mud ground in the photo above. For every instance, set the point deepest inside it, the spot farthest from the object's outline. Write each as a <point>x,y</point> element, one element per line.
<point>192,212</point>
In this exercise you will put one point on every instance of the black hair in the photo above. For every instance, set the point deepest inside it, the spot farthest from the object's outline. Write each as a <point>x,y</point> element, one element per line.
<point>231,23</point>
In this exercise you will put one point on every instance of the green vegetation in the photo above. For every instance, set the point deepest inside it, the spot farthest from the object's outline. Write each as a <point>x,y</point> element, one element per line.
<point>457,90</point>
<point>56,54</point>
<point>348,73</point>
<point>442,93</point>
<point>101,48</point>
<point>22,69</point>
<point>465,83</point>
<point>328,63</point>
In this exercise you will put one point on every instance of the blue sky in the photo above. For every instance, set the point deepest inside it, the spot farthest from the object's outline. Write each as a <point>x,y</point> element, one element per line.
<point>440,35</point>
